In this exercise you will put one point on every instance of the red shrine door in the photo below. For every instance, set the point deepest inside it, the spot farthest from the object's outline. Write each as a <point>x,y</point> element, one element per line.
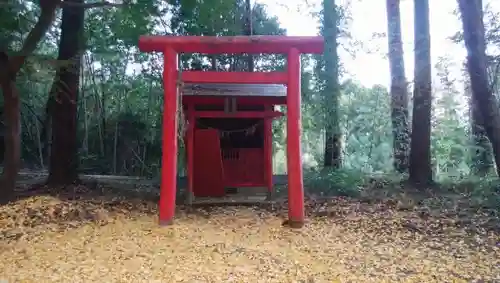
<point>207,173</point>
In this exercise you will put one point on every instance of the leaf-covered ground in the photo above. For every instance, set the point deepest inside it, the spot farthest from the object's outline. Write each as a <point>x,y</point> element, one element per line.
<point>104,239</point>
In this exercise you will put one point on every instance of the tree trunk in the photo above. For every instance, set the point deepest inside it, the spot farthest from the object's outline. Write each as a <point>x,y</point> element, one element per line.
<point>9,69</point>
<point>482,96</point>
<point>420,145</point>
<point>63,168</point>
<point>482,161</point>
<point>333,155</point>
<point>247,30</point>
<point>481,158</point>
<point>399,93</point>
<point>12,138</point>
<point>46,134</point>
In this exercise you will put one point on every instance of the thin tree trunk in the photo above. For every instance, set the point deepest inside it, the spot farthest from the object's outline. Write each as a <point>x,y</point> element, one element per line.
<point>332,156</point>
<point>482,95</point>
<point>213,59</point>
<point>102,128</point>
<point>63,160</point>
<point>85,126</point>
<point>420,154</point>
<point>98,104</point>
<point>85,143</point>
<point>148,117</point>
<point>39,144</point>
<point>115,140</point>
<point>248,30</point>
<point>101,101</point>
<point>399,92</point>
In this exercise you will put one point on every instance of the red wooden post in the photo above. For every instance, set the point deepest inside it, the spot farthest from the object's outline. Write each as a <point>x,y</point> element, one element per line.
<point>190,151</point>
<point>268,153</point>
<point>168,186</point>
<point>294,154</point>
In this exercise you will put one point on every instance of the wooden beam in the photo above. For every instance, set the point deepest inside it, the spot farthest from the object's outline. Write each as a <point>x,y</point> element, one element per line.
<point>268,44</point>
<point>219,100</point>
<point>240,114</point>
<point>234,77</point>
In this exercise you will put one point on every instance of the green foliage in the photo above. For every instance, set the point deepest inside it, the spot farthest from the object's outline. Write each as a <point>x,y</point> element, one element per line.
<point>341,182</point>
<point>481,193</point>
<point>450,142</point>
<point>486,194</point>
<point>15,23</point>
<point>367,127</point>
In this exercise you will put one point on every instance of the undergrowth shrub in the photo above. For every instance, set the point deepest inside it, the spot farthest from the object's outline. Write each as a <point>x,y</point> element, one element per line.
<point>341,182</point>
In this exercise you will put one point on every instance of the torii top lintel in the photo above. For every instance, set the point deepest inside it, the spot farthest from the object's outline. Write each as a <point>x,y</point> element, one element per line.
<point>266,44</point>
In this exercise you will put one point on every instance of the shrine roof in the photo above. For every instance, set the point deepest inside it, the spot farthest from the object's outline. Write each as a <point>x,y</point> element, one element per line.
<point>269,90</point>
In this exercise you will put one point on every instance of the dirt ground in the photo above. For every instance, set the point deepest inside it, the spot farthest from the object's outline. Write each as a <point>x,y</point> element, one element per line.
<point>49,239</point>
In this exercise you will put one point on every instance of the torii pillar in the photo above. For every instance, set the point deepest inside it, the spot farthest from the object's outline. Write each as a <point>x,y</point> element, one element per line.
<point>292,46</point>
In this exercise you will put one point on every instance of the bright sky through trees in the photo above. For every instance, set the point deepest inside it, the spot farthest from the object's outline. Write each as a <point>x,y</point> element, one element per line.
<point>369,18</point>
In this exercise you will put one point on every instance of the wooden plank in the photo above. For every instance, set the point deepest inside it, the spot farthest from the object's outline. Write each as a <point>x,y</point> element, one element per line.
<point>202,77</point>
<point>240,114</point>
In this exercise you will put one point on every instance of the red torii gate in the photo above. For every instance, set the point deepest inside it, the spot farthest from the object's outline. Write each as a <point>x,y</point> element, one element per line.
<point>292,46</point>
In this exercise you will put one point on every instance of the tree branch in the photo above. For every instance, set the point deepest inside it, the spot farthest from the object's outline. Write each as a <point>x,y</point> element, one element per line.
<point>36,34</point>
<point>48,12</point>
<point>90,5</point>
